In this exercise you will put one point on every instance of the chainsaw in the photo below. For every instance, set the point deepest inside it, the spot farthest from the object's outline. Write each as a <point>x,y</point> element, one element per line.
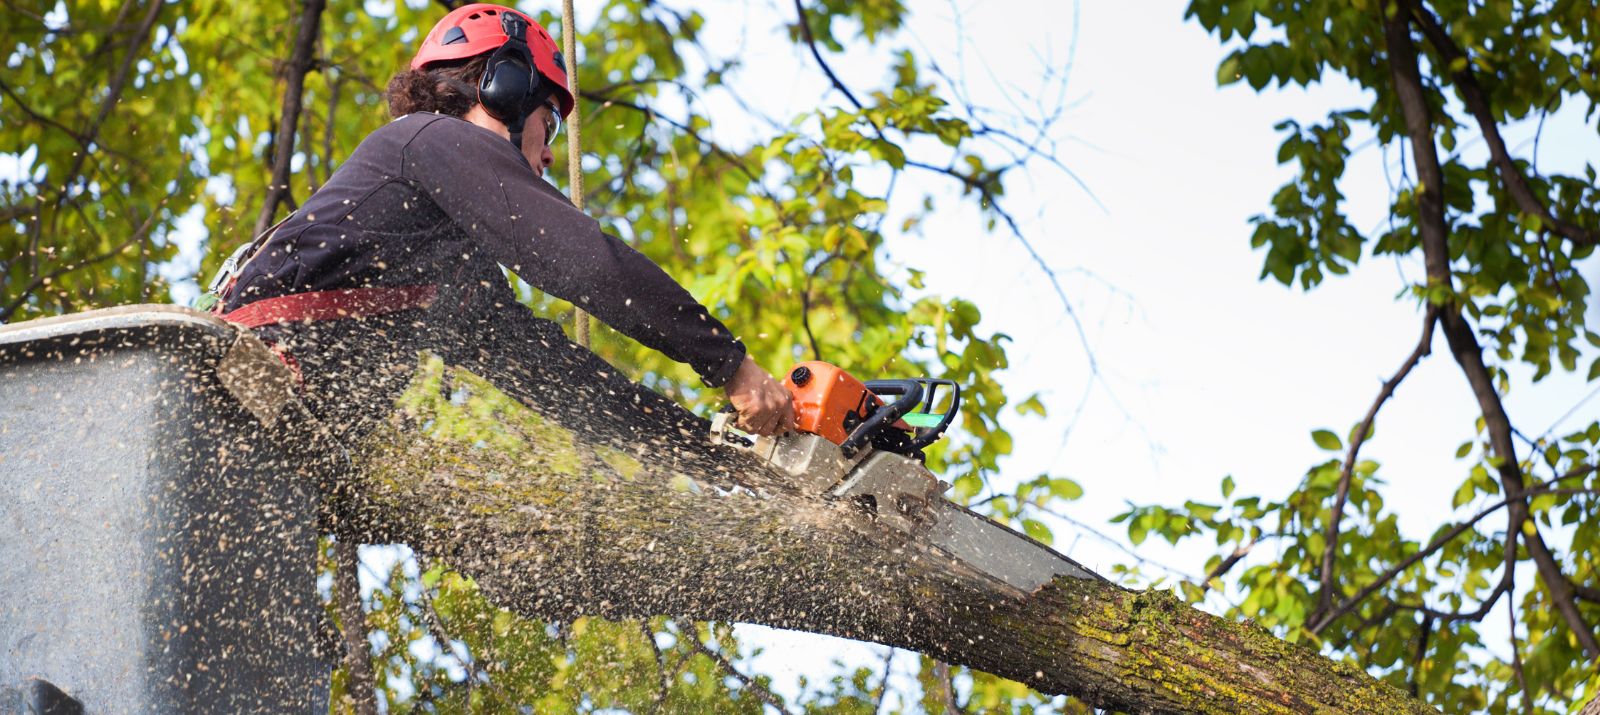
<point>863,442</point>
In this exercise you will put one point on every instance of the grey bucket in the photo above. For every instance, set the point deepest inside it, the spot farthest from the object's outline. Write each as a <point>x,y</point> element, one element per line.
<point>158,526</point>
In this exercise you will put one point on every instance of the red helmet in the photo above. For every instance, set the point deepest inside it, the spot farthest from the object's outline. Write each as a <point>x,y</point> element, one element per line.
<point>475,29</point>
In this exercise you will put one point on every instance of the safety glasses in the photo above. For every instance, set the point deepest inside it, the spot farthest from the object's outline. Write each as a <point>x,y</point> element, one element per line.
<point>552,121</point>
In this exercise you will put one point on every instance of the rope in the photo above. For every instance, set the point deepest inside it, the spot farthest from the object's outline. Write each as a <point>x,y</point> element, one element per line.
<point>569,49</point>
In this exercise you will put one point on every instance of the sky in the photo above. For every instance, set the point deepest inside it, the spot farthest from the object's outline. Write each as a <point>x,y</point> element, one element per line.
<point>1206,370</point>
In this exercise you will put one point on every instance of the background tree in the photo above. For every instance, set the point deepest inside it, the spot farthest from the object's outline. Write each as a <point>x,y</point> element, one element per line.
<point>1502,245</point>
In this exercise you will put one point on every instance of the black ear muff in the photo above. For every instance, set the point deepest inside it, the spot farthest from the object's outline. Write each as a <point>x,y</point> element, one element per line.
<point>510,89</point>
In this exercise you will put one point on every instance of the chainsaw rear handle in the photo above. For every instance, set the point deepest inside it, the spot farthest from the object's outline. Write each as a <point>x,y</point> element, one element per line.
<point>928,388</point>
<point>910,392</point>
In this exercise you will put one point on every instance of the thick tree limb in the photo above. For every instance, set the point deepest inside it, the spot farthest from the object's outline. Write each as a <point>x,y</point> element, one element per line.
<point>1458,332</point>
<point>1472,95</point>
<point>1329,568</point>
<point>301,61</point>
<point>555,525</point>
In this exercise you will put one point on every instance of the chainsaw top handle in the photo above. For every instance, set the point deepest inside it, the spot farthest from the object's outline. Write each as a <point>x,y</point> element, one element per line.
<point>885,415</point>
<point>928,390</point>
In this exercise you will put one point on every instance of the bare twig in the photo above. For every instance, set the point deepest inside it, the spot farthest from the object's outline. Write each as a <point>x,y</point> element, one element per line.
<point>1227,564</point>
<point>1331,536</point>
<point>811,42</point>
<point>990,200</point>
<point>1115,543</point>
<point>301,61</point>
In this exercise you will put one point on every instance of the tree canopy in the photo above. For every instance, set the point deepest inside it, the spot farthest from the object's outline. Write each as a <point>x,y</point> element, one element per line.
<point>152,138</point>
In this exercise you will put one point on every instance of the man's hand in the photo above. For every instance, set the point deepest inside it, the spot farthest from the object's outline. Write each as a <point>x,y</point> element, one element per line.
<point>764,406</point>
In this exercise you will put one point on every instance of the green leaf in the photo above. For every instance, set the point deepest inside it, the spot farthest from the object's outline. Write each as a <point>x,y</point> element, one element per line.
<point>1037,530</point>
<point>1064,488</point>
<point>1228,71</point>
<point>1227,486</point>
<point>1327,440</point>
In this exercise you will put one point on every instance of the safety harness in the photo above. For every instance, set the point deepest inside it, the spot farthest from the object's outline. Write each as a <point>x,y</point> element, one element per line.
<point>315,306</point>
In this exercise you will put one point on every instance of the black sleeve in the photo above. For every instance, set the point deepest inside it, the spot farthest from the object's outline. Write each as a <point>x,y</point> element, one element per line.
<point>485,185</point>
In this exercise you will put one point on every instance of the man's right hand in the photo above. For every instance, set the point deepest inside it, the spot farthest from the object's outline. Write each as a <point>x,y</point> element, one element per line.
<point>764,406</point>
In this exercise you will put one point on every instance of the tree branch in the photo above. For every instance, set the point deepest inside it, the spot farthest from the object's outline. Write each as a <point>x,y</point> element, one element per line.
<point>1227,564</point>
<point>113,94</point>
<point>1477,103</point>
<point>360,687</point>
<point>1458,332</point>
<point>811,42</point>
<point>1438,542</point>
<point>300,64</point>
<point>1421,652</point>
<point>1516,657</point>
<point>1331,536</point>
<point>760,690</point>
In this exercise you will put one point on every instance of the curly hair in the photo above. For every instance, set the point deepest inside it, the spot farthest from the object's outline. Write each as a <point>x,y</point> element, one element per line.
<point>449,88</point>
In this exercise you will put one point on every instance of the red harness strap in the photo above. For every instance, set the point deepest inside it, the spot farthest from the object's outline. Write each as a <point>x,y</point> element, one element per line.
<point>331,305</point>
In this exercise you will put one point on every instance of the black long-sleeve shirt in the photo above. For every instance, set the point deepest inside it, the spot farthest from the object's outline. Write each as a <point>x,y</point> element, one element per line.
<point>421,196</point>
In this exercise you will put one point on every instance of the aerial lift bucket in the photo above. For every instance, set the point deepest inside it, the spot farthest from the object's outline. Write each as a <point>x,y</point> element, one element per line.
<point>158,528</point>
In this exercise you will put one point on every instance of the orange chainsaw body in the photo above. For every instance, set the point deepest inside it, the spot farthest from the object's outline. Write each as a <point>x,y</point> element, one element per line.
<point>829,401</point>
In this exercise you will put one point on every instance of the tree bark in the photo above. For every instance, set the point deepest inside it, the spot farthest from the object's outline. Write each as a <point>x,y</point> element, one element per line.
<point>555,525</point>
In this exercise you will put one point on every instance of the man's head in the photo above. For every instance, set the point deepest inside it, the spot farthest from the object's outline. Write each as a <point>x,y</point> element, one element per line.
<point>489,56</point>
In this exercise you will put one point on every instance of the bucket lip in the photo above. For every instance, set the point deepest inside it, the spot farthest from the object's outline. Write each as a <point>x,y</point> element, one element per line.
<point>120,318</point>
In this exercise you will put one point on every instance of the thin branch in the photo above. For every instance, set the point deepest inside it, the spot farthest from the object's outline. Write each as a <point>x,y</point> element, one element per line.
<point>1420,652</point>
<point>1516,657</point>
<point>1472,95</point>
<point>1507,582</point>
<point>727,667</point>
<point>1227,564</point>
<point>991,202</point>
<point>1111,541</point>
<point>328,126</point>
<point>661,667</point>
<point>883,686</point>
<point>805,27</point>
<point>1331,536</point>
<point>1349,604</point>
<point>360,687</point>
<point>301,62</point>
<point>947,688</point>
